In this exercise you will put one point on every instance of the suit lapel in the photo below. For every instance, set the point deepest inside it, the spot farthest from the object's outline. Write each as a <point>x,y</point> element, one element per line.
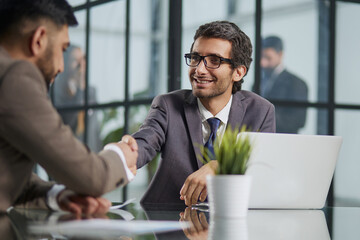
<point>237,111</point>
<point>193,120</point>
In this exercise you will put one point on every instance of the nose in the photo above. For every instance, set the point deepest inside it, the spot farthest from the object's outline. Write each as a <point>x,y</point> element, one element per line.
<point>61,65</point>
<point>201,68</point>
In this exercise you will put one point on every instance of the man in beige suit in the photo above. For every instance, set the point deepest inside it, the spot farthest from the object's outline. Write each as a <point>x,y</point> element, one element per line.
<point>33,36</point>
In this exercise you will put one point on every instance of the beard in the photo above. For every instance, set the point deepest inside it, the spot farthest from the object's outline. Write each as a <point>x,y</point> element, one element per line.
<point>45,65</point>
<point>267,72</point>
<point>218,89</point>
<point>212,94</point>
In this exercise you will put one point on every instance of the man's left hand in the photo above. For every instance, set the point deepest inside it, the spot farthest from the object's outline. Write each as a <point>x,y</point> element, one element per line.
<point>194,188</point>
<point>78,204</point>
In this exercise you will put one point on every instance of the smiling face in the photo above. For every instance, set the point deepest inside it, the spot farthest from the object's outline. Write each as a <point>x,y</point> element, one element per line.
<point>213,83</point>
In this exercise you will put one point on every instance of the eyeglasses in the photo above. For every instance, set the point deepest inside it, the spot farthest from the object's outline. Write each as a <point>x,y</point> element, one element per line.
<point>210,61</point>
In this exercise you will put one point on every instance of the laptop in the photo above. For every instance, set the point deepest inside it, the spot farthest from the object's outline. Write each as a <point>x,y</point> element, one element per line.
<point>291,171</point>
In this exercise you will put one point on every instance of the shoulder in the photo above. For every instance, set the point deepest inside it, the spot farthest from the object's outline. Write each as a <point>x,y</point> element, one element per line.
<point>177,94</point>
<point>286,75</point>
<point>21,82</point>
<point>174,97</point>
<point>8,64</point>
<point>14,72</point>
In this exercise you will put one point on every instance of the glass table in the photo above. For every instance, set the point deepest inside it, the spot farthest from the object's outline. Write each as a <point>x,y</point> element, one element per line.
<point>328,223</point>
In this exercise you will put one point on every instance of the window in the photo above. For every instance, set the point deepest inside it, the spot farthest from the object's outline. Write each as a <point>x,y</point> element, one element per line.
<point>129,57</point>
<point>117,63</point>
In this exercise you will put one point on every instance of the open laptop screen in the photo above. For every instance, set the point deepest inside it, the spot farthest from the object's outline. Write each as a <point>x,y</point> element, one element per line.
<point>291,171</point>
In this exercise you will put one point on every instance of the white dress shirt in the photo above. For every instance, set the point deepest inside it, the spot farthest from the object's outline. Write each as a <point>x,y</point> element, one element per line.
<point>223,115</point>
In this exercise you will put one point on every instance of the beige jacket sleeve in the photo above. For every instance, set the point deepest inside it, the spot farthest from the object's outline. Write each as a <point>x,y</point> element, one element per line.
<point>31,124</point>
<point>34,195</point>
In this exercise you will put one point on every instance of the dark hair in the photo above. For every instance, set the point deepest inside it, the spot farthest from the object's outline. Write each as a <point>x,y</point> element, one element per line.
<point>15,12</point>
<point>273,42</point>
<point>241,49</point>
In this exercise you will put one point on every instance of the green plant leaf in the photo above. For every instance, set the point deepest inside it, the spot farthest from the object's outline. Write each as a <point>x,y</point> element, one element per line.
<point>232,152</point>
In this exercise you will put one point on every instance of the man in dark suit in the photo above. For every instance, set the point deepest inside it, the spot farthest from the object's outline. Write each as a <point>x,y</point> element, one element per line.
<point>33,36</point>
<point>279,84</point>
<point>179,121</point>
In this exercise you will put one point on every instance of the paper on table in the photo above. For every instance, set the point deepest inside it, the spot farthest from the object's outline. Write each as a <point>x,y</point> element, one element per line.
<point>124,204</point>
<point>127,216</point>
<point>107,227</point>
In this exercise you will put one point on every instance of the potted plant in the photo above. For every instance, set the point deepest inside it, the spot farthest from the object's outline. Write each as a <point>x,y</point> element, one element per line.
<point>229,188</point>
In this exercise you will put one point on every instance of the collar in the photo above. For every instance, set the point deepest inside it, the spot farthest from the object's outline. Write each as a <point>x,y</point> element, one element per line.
<point>223,115</point>
<point>279,69</point>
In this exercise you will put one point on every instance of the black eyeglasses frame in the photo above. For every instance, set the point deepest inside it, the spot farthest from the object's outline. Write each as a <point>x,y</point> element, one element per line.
<point>202,58</point>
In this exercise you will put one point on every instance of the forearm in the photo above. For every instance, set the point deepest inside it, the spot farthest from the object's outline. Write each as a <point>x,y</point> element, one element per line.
<point>151,135</point>
<point>34,195</point>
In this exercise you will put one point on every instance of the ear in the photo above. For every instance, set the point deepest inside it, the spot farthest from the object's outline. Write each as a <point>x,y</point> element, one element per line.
<point>38,41</point>
<point>239,73</point>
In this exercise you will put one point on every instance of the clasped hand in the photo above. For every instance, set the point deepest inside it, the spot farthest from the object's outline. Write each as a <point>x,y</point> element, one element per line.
<point>82,205</point>
<point>129,148</point>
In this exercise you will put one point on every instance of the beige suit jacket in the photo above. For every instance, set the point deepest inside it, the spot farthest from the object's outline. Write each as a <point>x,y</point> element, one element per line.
<point>31,131</point>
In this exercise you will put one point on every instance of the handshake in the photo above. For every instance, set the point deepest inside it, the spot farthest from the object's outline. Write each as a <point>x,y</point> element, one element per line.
<point>129,148</point>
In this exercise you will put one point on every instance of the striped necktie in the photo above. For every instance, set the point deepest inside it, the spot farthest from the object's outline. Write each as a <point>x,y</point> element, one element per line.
<point>214,125</point>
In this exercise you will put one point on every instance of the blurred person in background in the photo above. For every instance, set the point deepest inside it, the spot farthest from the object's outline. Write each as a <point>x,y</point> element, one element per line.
<point>69,90</point>
<point>277,83</point>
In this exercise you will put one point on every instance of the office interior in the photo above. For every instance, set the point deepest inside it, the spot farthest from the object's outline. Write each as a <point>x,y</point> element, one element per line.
<point>133,50</point>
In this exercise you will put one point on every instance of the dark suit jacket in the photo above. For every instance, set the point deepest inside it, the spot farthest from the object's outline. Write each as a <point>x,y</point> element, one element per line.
<point>32,132</point>
<point>287,86</point>
<point>173,127</point>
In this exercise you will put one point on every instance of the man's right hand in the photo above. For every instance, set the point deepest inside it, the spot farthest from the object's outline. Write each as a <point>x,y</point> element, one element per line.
<point>129,147</point>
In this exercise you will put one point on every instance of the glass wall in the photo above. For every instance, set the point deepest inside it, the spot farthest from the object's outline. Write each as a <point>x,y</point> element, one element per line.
<point>317,98</point>
<point>148,48</point>
<point>121,56</point>
<point>347,53</point>
<point>107,51</point>
<point>347,71</point>
<point>118,55</point>
<point>289,69</point>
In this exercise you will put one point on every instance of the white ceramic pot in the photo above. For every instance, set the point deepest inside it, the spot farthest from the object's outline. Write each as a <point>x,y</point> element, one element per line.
<point>228,195</point>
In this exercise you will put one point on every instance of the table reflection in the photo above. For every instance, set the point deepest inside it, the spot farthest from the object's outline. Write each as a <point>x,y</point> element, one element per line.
<point>287,224</point>
<point>259,224</point>
<point>221,228</point>
<point>198,224</point>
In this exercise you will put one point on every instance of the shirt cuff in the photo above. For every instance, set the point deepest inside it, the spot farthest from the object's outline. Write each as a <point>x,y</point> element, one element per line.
<point>52,196</point>
<point>130,176</point>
